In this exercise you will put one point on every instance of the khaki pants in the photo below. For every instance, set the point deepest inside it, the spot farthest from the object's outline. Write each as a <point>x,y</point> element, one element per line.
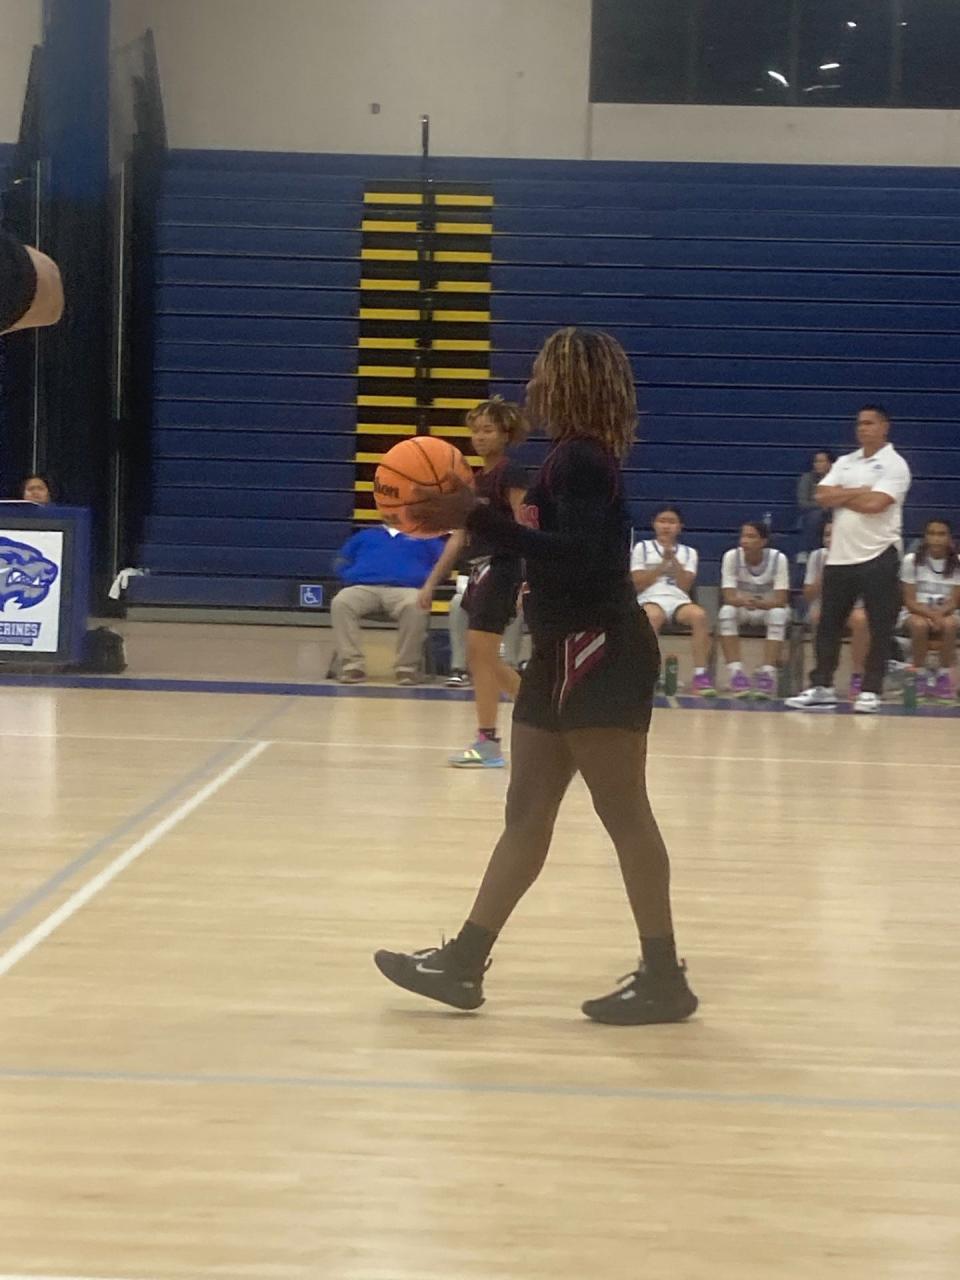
<point>399,603</point>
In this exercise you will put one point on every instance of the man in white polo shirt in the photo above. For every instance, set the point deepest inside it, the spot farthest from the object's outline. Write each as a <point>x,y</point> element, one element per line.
<point>865,491</point>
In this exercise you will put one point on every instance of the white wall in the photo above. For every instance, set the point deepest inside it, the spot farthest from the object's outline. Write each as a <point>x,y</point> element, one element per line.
<point>20,30</point>
<point>776,135</point>
<point>497,77</point>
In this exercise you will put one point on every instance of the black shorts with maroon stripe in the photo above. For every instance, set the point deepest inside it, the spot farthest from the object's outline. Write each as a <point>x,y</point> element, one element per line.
<point>596,679</point>
<point>490,600</point>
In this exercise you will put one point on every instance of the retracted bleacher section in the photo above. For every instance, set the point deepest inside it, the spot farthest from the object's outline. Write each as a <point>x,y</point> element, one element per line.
<point>761,305</point>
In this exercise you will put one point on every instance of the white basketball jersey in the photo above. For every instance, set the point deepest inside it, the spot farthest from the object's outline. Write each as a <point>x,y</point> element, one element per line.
<point>647,555</point>
<point>930,579</point>
<point>761,580</point>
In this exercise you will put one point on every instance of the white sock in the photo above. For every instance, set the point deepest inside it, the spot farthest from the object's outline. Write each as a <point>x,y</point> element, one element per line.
<point>767,670</point>
<point>734,667</point>
<point>699,671</point>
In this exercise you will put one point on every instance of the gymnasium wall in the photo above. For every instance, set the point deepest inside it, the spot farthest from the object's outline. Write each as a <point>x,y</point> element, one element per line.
<point>20,26</point>
<point>498,78</point>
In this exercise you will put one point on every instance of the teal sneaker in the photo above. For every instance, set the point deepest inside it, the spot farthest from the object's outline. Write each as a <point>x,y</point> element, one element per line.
<point>485,753</point>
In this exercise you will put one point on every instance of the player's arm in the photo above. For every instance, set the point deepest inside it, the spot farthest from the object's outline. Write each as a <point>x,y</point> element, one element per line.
<point>584,491</point>
<point>444,566</point>
<point>776,600</point>
<point>31,291</point>
<point>515,498</point>
<point>812,590</point>
<point>644,578</point>
<point>684,578</point>
<point>913,605</point>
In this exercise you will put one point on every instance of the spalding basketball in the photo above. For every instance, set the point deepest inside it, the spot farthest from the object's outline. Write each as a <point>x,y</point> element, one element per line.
<point>422,462</point>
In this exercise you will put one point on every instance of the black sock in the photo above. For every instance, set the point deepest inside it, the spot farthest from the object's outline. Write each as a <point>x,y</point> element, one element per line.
<point>473,945</point>
<point>490,734</point>
<point>659,955</point>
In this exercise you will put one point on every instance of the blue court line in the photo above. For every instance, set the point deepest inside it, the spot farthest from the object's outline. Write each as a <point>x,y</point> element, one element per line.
<point>129,824</point>
<point>422,693</point>
<point>493,1088</point>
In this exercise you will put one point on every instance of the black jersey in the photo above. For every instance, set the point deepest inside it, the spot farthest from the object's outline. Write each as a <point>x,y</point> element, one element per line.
<point>575,538</point>
<point>18,281</point>
<point>494,487</point>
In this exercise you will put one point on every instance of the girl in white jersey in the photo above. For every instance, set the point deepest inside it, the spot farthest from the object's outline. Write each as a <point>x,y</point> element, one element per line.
<point>857,622</point>
<point>664,571</point>
<point>930,578</point>
<point>755,588</point>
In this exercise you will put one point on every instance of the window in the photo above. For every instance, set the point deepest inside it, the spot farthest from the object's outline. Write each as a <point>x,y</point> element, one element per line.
<point>930,40</point>
<point>641,50</point>
<point>808,53</point>
<point>846,51</point>
<point>744,54</point>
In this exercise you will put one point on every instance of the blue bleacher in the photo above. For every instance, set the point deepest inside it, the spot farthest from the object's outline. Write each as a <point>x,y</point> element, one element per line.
<point>760,305</point>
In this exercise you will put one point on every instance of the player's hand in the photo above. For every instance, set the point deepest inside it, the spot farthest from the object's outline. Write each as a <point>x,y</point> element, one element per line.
<point>450,509</point>
<point>425,599</point>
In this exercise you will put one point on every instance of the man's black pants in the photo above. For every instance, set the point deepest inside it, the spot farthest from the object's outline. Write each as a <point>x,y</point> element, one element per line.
<point>878,582</point>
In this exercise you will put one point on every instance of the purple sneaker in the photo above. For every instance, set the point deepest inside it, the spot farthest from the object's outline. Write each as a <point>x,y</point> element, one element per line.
<point>764,686</point>
<point>702,686</point>
<point>740,685</point>
<point>943,690</point>
<point>856,687</point>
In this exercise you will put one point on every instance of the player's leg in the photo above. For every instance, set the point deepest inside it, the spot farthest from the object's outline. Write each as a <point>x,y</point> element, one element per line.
<point>692,616</point>
<point>613,765</point>
<point>729,621</point>
<point>775,627</point>
<point>453,973</point>
<point>656,615</point>
<point>919,629</point>
<point>457,625</point>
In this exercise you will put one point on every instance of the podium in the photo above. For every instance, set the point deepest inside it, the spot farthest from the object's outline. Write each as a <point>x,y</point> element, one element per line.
<point>44,584</point>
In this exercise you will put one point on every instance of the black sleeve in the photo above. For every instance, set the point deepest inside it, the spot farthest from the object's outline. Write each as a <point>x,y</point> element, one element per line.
<point>583,484</point>
<point>18,281</point>
<point>514,477</point>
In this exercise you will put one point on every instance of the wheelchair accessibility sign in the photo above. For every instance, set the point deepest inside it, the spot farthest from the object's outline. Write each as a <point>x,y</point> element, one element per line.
<point>311,596</point>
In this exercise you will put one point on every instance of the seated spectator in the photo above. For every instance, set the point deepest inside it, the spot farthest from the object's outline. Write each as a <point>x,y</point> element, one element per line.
<point>857,622</point>
<point>930,577</point>
<point>664,571</point>
<point>755,588</point>
<point>39,489</point>
<point>383,572</point>
<point>812,515</point>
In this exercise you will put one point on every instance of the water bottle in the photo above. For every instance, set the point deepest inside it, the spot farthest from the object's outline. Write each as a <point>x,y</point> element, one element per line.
<point>910,690</point>
<point>670,675</point>
<point>768,520</point>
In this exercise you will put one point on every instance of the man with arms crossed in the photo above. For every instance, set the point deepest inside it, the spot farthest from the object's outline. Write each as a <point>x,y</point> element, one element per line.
<point>865,491</point>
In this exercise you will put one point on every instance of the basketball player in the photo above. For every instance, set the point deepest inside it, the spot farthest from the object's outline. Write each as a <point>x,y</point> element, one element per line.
<point>494,580</point>
<point>663,571</point>
<point>586,695</point>
<point>755,587</point>
<point>31,292</point>
<point>930,578</point>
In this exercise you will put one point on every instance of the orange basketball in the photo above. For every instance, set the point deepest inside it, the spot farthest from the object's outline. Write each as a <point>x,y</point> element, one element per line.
<point>422,462</point>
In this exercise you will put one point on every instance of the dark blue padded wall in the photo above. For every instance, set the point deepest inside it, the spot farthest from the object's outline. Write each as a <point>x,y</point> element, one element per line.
<point>761,305</point>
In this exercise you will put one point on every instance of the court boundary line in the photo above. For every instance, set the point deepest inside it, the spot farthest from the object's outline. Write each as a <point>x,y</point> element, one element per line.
<point>80,897</point>
<point>655,755</point>
<point>506,1088</point>
<point>23,906</point>
<point>422,693</point>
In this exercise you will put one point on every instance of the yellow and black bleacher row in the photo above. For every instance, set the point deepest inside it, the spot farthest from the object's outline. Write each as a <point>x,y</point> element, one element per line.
<point>424,341</point>
<point>760,305</point>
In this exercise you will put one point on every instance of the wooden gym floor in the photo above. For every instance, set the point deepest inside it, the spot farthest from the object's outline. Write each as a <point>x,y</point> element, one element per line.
<point>203,1076</point>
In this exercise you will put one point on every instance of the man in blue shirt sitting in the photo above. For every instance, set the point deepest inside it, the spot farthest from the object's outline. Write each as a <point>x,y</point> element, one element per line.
<point>384,572</point>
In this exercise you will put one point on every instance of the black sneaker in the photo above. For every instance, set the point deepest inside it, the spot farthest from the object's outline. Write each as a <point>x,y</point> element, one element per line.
<point>436,973</point>
<point>644,999</point>
<point>458,680</point>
